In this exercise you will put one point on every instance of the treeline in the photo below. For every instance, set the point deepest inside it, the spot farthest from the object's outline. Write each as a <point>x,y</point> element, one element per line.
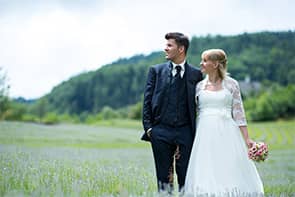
<point>116,90</point>
<point>275,102</point>
<point>264,57</point>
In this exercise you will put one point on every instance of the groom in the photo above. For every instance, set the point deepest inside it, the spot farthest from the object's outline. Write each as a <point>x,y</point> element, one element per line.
<point>169,111</point>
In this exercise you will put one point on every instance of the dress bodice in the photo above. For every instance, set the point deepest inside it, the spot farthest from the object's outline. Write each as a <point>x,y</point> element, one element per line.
<point>227,101</point>
<point>215,103</point>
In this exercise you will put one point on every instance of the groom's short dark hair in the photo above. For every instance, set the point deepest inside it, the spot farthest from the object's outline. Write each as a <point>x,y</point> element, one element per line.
<point>180,39</point>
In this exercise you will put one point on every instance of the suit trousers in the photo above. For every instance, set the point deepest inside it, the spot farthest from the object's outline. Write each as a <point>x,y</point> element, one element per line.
<point>171,148</point>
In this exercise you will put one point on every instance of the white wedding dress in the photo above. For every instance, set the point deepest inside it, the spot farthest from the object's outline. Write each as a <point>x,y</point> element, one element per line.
<point>219,164</point>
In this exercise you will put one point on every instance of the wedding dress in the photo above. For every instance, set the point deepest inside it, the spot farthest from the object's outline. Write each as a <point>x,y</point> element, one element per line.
<point>219,164</point>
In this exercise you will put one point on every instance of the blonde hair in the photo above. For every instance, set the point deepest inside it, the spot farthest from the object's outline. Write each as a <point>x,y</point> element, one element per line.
<point>220,57</point>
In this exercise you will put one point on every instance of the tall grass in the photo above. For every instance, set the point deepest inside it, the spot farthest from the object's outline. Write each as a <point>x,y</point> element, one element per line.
<point>79,160</point>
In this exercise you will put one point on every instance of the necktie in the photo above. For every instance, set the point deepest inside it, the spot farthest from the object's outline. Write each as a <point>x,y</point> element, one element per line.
<point>178,69</point>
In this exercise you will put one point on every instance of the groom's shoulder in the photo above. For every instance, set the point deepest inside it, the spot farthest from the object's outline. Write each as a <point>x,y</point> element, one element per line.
<point>194,68</point>
<point>161,66</point>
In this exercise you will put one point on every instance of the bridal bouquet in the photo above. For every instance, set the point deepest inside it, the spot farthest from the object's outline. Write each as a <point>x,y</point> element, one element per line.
<point>258,152</point>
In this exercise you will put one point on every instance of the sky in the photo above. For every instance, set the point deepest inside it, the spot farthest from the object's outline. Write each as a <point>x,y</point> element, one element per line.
<point>46,42</point>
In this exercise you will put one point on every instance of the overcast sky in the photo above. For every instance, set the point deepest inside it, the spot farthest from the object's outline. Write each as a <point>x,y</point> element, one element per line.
<point>43,43</point>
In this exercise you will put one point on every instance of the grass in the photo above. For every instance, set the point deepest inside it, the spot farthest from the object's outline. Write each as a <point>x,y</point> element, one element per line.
<point>120,123</point>
<point>65,135</point>
<point>80,160</point>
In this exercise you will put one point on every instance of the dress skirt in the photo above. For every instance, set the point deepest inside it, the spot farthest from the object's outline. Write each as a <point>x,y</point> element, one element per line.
<point>219,163</point>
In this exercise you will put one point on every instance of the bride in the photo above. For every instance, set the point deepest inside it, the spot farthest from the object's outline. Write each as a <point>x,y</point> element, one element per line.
<point>219,164</point>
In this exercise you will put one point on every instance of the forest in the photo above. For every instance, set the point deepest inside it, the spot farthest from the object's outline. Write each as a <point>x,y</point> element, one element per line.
<point>263,63</point>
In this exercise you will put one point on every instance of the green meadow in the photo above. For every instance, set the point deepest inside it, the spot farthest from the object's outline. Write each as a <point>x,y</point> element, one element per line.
<point>110,160</point>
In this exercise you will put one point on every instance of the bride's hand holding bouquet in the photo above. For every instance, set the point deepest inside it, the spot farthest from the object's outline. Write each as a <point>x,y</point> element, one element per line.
<point>249,142</point>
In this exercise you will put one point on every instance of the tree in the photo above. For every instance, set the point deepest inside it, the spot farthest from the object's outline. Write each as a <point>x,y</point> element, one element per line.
<point>4,100</point>
<point>41,108</point>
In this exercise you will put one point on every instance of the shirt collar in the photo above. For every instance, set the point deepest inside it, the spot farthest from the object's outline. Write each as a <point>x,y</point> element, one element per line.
<point>181,65</point>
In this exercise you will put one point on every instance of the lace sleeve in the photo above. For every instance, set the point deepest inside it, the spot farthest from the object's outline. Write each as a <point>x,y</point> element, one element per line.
<point>238,111</point>
<point>198,89</point>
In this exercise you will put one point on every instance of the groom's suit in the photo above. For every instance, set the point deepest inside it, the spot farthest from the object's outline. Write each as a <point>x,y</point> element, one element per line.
<point>169,111</point>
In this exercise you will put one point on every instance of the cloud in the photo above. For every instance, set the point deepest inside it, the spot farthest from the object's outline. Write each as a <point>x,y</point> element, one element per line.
<point>46,42</point>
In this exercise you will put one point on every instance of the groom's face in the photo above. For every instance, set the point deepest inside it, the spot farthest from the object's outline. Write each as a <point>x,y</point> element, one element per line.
<point>172,50</point>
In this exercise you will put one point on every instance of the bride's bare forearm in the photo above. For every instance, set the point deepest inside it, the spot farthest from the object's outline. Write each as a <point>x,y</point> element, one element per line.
<point>247,139</point>
<point>244,131</point>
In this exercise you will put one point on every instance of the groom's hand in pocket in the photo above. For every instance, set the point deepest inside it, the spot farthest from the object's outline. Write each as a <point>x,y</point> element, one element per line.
<point>149,132</point>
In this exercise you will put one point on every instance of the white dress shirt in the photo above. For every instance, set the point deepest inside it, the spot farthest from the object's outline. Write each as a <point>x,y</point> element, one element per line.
<point>174,71</point>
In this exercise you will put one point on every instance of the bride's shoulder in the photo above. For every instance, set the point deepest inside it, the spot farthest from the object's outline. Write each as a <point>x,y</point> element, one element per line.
<point>231,84</point>
<point>201,83</point>
<point>230,81</point>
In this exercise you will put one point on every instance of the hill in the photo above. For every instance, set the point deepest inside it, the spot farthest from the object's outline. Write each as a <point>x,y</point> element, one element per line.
<point>263,56</point>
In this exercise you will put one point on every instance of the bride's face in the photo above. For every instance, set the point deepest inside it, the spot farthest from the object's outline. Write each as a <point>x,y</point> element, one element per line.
<point>207,65</point>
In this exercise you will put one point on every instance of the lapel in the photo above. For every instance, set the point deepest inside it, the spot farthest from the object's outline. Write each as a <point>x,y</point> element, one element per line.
<point>167,74</point>
<point>187,73</point>
<point>189,88</point>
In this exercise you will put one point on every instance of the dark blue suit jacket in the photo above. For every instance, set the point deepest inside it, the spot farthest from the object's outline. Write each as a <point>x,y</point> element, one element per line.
<point>155,97</point>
